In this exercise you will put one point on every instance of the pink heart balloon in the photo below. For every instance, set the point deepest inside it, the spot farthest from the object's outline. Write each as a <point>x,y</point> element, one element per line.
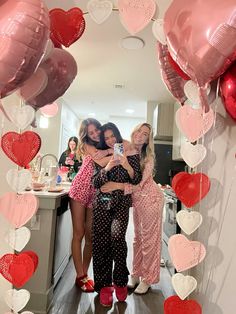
<point>173,81</point>
<point>49,110</point>
<point>34,85</point>
<point>201,36</point>
<point>194,123</point>
<point>185,254</point>
<point>24,32</point>
<point>136,15</point>
<point>18,209</point>
<point>61,69</point>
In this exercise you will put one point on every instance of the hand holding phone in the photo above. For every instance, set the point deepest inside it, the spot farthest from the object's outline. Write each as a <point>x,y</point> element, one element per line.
<point>118,150</point>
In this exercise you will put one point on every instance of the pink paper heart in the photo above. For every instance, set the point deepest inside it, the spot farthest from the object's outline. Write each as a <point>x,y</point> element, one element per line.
<point>185,254</point>
<point>18,209</point>
<point>135,15</point>
<point>194,123</point>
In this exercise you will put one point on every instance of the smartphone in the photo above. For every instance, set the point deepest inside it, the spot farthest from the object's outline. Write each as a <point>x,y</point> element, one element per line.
<point>118,150</point>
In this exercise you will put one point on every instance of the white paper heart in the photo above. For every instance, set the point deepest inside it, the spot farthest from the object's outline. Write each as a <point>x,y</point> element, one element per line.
<point>193,155</point>
<point>18,180</point>
<point>188,221</point>
<point>158,31</point>
<point>191,91</point>
<point>17,299</point>
<point>20,116</point>
<point>183,285</point>
<point>18,238</point>
<point>99,11</point>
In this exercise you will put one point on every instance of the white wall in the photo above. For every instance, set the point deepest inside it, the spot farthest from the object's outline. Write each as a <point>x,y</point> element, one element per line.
<point>217,274</point>
<point>126,125</point>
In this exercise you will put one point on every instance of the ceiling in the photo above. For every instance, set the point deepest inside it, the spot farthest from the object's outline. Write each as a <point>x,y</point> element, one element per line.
<point>103,63</point>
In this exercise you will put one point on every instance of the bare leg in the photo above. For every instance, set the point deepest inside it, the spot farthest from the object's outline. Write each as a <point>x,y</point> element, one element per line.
<point>78,222</point>
<point>87,253</point>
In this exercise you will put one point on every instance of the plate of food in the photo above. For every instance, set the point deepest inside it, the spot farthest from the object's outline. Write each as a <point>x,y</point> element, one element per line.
<point>55,190</point>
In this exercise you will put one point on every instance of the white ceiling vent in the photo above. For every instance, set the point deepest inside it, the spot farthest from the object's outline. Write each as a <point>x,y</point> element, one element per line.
<point>119,86</point>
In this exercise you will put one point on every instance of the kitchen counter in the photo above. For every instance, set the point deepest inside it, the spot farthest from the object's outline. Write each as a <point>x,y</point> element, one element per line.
<point>51,232</point>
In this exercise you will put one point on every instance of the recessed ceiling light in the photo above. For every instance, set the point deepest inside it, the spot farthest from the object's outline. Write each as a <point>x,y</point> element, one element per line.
<point>91,114</point>
<point>132,43</point>
<point>129,110</point>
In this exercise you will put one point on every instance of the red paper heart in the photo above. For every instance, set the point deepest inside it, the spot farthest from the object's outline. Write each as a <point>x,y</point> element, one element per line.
<point>34,258</point>
<point>17,269</point>
<point>21,148</point>
<point>190,188</point>
<point>67,26</point>
<point>174,305</point>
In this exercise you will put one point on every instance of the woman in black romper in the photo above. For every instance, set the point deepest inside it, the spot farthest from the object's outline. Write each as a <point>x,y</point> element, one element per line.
<point>110,220</point>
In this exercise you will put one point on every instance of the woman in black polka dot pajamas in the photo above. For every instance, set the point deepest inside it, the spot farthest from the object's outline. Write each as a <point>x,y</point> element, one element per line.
<point>110,220</point>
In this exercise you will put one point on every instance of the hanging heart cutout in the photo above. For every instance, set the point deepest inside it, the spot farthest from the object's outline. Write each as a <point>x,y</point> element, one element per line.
<point>99,11</point>
<point>183,285</point>
<point>174,305</point>
<point>18,238</point>
<point>21,148</point>
<point>17,299</point>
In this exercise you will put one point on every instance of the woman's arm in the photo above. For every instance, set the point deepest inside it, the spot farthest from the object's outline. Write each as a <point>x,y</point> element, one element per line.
<point>134,163</point>
<point>101,157</point>
<point>101,174</point>
<point>62,160</point>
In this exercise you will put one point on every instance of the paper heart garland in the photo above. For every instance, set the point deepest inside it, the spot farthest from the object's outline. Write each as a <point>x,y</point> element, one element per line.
<point>34,258</point>
<point>191,91</point>
<point>135,15</point>
<point>174,305</point>
<point>99,11</point>
<point>18,209</point>
<point>194,123</point>
<point>189,221</point>
<point>17,269</point>
<point>193,155</point>
<point>190,188</point>
<point>183,285</point>
<point>18,238</point>
<point>18,180</point>
<point>158,31</point>
<point>185,254</point>
<point>21,148</point>
<point>17,299</point>
<point>67,26</point>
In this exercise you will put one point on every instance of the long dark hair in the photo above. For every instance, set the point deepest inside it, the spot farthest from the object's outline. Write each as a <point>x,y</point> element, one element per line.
<point>83,134</point>
<point>74,139</point>
<point>109,126</point>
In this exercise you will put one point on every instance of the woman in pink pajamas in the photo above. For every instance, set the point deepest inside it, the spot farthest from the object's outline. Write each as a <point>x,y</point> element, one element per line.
<point>147,200</point>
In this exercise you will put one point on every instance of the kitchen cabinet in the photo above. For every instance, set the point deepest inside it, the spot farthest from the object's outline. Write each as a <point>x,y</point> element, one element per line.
<point>163,116</point>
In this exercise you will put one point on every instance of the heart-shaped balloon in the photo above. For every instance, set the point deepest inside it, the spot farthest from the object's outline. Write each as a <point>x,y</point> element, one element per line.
<point>50,110</point>
<point>18,238</point>
<point>193,155</point>
<point>22,117</point>
<point>191,188</point>
<point>194,123</point>
<point>228,90</point>
<point>61,69</point>
<point>18,209</point>
<point>136,15</point>
<point>17,299</point>
<point>24,32</point>
<point>17,269</point>
<point>185,254</point>
<point>18,180</point>
<point>34,85</point>
<point>203,45</point>
<point>173,81</point>
<point>174,305</point>
<point>99,11</point>
<point>158,31</point>
<point>183,285</point>
<point>189,221</point>
<point>67,26</point>
<point>21,148</point>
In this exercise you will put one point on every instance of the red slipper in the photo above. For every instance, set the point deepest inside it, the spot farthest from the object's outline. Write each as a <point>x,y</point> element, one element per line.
<point>106,297</point>
<point>83,283</point>
<point>121,293</point>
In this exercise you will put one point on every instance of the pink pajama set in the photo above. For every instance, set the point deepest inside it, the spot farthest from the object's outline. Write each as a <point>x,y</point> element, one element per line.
<point>148,201</point>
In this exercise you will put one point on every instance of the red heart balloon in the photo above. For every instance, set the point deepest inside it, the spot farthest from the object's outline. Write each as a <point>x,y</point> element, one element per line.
<point>17,269</point>
<point>191,188</point>
<point>67,26</point>
<point>228,90</point>
<point>174,305</point>
<point>21,148</point>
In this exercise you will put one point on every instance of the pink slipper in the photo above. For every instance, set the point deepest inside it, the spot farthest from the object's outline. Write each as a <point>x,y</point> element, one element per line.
<point>106,298</point>
<point>121,293</point>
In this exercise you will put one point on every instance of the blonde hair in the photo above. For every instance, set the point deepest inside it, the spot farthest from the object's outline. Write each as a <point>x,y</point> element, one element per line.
<point>147,151</point>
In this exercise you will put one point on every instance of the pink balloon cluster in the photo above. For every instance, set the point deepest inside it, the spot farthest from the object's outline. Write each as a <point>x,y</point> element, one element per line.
<point>24,32</point>
<point>201,39</point>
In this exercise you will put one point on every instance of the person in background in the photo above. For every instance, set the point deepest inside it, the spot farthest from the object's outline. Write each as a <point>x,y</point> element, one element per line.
<point>69,157</point>
<point>147,201</point>
<point>110,219</point>
<point>81,197</point>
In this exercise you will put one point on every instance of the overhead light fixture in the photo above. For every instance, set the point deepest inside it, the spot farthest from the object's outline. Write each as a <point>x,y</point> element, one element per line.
<point>129,110</point>
<point>132,43</point>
